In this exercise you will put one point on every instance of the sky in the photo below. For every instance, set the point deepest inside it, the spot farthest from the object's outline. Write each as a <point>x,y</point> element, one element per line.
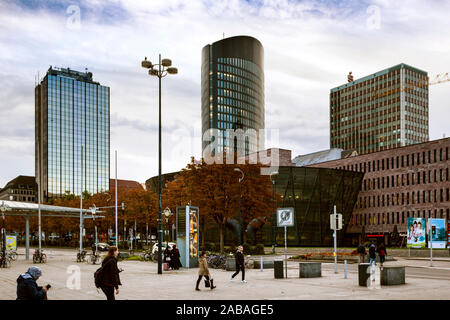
<point>309,48</point>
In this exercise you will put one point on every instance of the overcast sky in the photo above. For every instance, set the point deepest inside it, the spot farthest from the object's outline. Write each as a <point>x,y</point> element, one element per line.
<point>309,48</point>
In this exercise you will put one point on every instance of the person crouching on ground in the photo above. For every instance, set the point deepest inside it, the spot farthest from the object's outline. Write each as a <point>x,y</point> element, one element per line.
<point>111,279</point>
<point>240,264</point>
<point>27,288</point>
<point>203,271</point>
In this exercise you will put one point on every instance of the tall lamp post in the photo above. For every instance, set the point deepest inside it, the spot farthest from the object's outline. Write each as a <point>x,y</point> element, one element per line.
<point>3,210</point>
<point>240,216</point>
<point>274,212</point>
<point>160,70</point>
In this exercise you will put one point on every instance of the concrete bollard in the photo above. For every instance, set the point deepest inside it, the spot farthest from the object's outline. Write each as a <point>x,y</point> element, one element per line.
<point>262,264</point>
<point>278,269</point>
<point>345,269</point>
<point>363,274</point>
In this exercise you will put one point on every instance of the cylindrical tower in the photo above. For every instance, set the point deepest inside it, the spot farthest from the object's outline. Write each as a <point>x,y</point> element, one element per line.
<point>233,93</point>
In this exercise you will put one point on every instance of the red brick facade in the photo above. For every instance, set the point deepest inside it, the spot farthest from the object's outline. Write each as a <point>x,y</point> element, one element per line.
<point>411,181</point>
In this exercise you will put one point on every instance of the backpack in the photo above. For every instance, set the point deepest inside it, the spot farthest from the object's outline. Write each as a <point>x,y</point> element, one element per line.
<point>98,277</point>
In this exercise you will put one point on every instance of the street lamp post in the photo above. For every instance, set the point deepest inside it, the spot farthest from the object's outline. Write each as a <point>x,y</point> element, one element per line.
<point>240,216</point>
<point>163,69</point>
<point>3,210</point>
<point>167,213</point>
<point>274,212</point>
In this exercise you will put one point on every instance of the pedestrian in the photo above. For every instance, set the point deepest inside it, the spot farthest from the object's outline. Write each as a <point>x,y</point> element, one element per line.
<point>382,253</point>
<point>240,264</point>
<point>27,288</point>
<point>175,263</point>
<point>110,274</point>
<point>362,253</point>
<point>203,271</point>
<point>372,254</point>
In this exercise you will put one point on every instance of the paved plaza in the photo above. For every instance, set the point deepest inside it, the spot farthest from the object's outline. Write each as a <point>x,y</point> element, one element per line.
<point>141,281</point>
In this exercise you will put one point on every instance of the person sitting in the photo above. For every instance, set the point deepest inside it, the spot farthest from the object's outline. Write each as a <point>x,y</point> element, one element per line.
<point>27,288</point>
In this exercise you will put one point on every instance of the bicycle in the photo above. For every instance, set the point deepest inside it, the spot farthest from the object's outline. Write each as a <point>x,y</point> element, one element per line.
<point>94,257</point>
<point>13,255</point>
<point>81,257</point>
<point>5,261</point>
<point>39,256</point>
<point>148,256</point>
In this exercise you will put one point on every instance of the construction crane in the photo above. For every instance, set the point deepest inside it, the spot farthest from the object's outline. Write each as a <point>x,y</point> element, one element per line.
<point>439,78</point>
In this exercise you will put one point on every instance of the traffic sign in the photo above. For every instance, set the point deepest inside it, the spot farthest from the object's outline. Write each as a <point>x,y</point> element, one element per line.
<point>339,221</point>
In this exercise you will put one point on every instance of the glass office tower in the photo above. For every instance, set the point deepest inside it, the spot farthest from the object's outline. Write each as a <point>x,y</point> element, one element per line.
<point>233,92</point>
<point>72,112</point>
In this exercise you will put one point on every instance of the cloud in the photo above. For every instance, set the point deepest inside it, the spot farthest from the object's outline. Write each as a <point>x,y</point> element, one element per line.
<point>309,48</point>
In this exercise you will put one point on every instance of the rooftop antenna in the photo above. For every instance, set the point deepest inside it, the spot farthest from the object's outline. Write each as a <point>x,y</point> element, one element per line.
<point>223,35</point>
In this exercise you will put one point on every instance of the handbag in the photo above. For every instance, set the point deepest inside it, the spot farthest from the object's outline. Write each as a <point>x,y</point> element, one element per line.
<point>207,283</point>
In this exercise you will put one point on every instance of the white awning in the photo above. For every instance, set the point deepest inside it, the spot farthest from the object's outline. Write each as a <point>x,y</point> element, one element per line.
<point>27,206</point>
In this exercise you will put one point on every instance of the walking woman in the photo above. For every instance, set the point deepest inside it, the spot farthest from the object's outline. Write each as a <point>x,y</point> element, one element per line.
<point>240,264</point>
<point>110,277</point>
<point>203,271</point>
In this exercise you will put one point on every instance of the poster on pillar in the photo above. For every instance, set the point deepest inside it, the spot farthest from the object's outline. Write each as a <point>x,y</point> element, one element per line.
<point>11,243</point>
<point>437,229</point>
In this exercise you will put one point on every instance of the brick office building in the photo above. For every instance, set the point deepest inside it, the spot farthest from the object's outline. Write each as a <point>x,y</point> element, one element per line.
<point>411,181</point>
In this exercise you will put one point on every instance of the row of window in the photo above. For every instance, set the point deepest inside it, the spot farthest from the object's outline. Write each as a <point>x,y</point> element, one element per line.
<point>425,157</point>
<point>406,179</point>
<point>397,217</point>
<point>404,198</point>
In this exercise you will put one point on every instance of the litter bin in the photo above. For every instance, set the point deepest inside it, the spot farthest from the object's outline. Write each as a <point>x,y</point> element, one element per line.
<point>363,274</point>
<point>278,269</point>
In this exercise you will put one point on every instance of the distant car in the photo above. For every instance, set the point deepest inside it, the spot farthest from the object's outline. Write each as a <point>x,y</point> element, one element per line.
<point>102,246</point>
<point>53,237</point>
<point>155,247</point>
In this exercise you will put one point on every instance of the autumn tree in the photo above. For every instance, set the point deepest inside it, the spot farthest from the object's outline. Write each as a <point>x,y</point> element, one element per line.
<point>214,189</point>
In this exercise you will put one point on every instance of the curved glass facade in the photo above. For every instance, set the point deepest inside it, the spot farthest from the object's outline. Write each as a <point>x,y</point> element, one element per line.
<point>233,93</point>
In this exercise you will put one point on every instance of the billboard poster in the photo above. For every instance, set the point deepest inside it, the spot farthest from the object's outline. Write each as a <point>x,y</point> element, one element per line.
<point>11,243</point>
<point>437,232</point>
<point>416,235</point>
<point>448,236</point>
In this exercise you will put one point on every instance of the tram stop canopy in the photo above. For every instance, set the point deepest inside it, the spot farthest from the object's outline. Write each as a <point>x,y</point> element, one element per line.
<point>27,210</point>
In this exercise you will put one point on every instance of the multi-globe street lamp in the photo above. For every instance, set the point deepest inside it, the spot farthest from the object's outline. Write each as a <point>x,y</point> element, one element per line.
<point>160,70</point>
<point>240,216</point>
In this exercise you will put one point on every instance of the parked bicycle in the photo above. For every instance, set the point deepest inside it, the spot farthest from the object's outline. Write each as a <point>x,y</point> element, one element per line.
<point>5,261</point>
<point>217,261</point>
<point>81,257</point>
<point>94,257</point>
<point>13,254</point>
<point>39,256</point>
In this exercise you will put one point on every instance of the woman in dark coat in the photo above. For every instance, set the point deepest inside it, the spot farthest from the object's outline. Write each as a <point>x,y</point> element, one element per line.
<point>110,274</point>
<point>175,258</point>
<point>27,288</point>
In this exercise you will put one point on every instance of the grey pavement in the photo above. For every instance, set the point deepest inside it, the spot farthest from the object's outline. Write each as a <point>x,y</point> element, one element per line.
<point>141,281</point>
